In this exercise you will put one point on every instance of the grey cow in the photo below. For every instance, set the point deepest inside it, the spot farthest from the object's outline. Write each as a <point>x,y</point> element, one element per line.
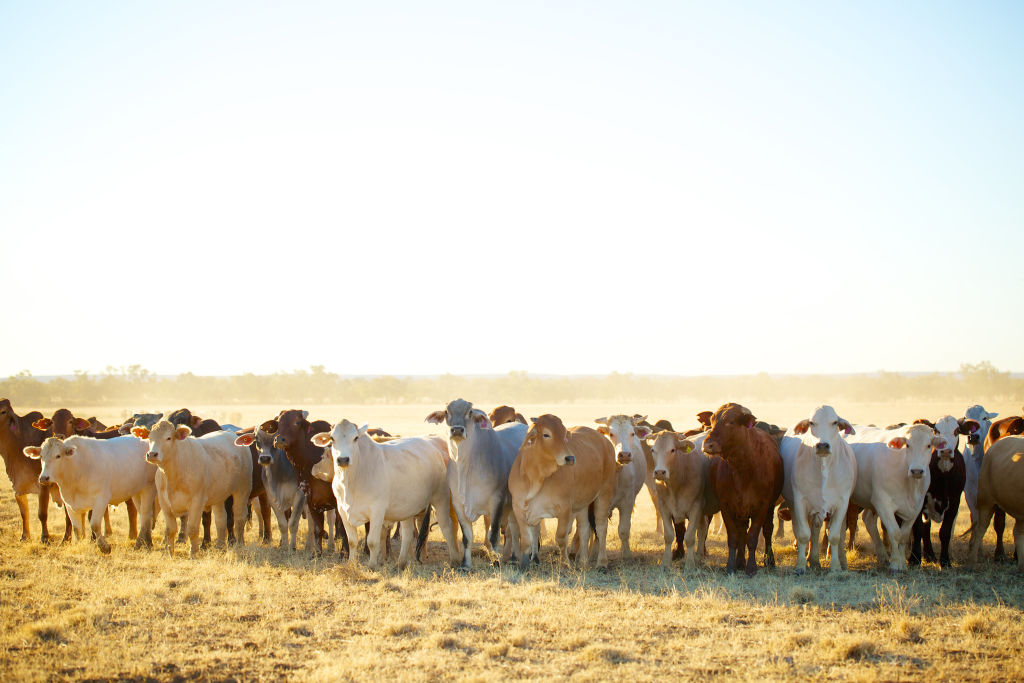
<point>282,484</point>
<point>481,458</point>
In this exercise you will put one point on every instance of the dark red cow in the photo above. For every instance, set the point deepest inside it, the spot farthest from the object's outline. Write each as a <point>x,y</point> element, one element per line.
<point>746,475</point>
<point>503,414</point>
<point>16,432</point>
<point>704,418</point>
<point>292,433</point>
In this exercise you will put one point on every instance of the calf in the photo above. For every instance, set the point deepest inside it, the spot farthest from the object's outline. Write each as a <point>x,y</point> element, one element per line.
<point>566,474</point>
<point>16,432</point>
<point>383,483</point>
<point>481,458</point>
<point>627,437</point>
<point>1001,482</point>
<point>197,474</point>
<point>681,471</point>
<point>892,479</point>
<point>820,474</point>
<point>93,474</point>
<point>942,502</point>
<point>747,476</point>
<point>280,483</point>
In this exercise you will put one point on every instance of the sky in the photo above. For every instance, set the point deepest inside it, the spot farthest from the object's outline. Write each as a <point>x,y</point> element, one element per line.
<point>680,188</point>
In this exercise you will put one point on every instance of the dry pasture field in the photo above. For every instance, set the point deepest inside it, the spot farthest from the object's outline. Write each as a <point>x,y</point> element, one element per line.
<point>257,612</point>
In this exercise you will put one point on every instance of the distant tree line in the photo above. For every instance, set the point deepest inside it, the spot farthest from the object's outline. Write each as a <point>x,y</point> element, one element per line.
<point>135,386</point>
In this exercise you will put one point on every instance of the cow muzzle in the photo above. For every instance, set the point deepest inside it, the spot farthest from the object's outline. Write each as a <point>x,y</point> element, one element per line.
<point>917,473</point>
<point>264,459</point>
<point>342,461</point>
<point>44,479</point>
<point>973,439</point>
<point>823,448</point>
<point>624,457</point>
<point>945,461</point>
<point>660,475</point>
<point>457,433</point>
<point>711,447</point>
<point>152,456</point>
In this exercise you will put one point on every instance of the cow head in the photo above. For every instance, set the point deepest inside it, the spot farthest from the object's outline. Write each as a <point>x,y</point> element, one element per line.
<point>54,453</point>
<point>982,420</point>
<point>504,414</point>
<point>919,440</point>
<point>343,441</point>
<point>63,424</point>
<point>666,446</point>
<point>730,428</point>
<point>460,415</point>
<point>8,418</point>
<point>184,416</point>
<point>704,418</point>
<point>146,420</point>
<point>163,440</point>
<point>826,427</point>
<point>626,434</point>
<point>947,427</point>
<point>289,429</point>
<point>549,439</point>
<point>264,444</point>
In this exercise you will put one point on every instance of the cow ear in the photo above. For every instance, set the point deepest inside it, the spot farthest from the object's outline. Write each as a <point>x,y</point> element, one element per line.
<point>245,440</point>
<point>323,439</point>
<point>42,424</point>
<point>991,415</point>
<point>1015,427</point>
<point>33,452</point>
<point>81,424</point>
<point>641,431</point>
<point>196,421</point>
<point>685,445</point>
<point>481,419</point>
<point>140,432</point>
<point>604,430</point>
<point>938,442</point>
<point>436,417</point>
<point>531,439</point>
<point>305,414</point>
<point>182,432</point>
<point>847,428</point>
<point>599,420</point>
<point>270,426</point>
<point>69,451</point>
<point>362,430</point>
<point>923,421</point>
<point>898,442</point>
<point>801,427</point>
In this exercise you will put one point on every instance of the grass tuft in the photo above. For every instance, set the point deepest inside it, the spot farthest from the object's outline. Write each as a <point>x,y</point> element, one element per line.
<point>853,649</point>
<point>801,595</point>
<point>300,629</point>
<point>975,624</point>
<point>603,653</point>
<point>908,631</point>
<point>403,629</point>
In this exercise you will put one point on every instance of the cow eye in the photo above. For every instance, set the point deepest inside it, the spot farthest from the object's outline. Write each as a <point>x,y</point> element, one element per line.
<point>547,436</point>
<point>357,438</point>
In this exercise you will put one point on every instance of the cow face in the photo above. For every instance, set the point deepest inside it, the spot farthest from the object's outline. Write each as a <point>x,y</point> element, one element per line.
<point>625,433</point>
<point>163,440</point>
<point>948,428</point>
<point>146,420</point>
<point>53,454</point>
<point>982,418</point>
<point>7,417</point>
<point>184,416</point>
<point>919,441</point>
<point>826,427</point>
<point>343,440</point>
<point>264,444</point>
<point>502,414</point>
<point>548,434</point>
<point>458,415</point>
<point>730,426</point>
<point>665,446</point>
<point>288,429</point>
<point>63,424</point>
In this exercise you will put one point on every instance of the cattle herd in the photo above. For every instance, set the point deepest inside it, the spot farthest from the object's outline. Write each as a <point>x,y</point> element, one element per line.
<point>514,472</point>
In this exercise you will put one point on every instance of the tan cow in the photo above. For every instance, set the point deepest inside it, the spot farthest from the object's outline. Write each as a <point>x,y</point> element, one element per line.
<point>684,492</point>
<point>197,475</point>
<point>1001,482</point>
<point>565,474</point>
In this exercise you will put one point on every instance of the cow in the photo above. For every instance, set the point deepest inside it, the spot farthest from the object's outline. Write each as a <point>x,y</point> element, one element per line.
<point>747,476</point>
<point>659,426</point>
<point>974,452</point>
<point>280,483</point>
<point>820,474</point>
<point>681,471</point>
<point>892,479</point>
<point>16,432</point>
<point>627,437</point>
<point>197,474</point>
<point>292,431</point>
<point>948,473</point>
<point>481,458</point>
<point>504,414</point>
<point>146,420</point>
<point>1008,426</point>
<point>384,483</point>
<point>568,474</point>
<point>1001,482</point>
<point>93,474</point>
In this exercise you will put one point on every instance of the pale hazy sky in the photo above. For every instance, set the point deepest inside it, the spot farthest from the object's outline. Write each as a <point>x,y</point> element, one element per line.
<point>568,187</point>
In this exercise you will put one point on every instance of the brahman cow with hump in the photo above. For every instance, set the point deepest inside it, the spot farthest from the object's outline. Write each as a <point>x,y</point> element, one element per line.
<point>198,474</point>
<point>565,474</point>
<point>383,483</point>
<point>93,474</point>
<point>747,476</point>
<point>821,471</point>
<point>281,484</point>
<point>948,473</point>
<point>16,432</point>
<point>892,480</point>
<point>627,436</point>
<point>1001,482</point>
<point>481,458</point>
<point>685,497</point>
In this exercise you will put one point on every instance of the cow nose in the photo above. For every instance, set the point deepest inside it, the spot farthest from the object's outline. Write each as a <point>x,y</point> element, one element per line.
<point>570,460</point>
<point>458,431</point>
<point>973,439</point>
<point>660,475</point>
<point>265,460</point>
<point>625,457</point>
<point>710,447</point>
<point>44,479</point>
<point>151,455</point>
<point>917,473</point>
<point>342,461</point>
<point>823,447</point>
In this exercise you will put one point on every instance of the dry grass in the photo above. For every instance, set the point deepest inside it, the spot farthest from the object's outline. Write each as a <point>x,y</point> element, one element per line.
<point>258,613</point>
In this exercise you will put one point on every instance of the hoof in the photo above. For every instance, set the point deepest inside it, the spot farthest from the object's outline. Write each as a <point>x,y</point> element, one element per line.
<point>44,539</point>
<point>799,572</point>
<point>894,571</point>
<point>103,545</point>
<point>496,564</point>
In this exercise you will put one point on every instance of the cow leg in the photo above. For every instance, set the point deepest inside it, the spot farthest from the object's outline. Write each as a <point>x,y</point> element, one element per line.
<point>265,533</point>
<point>446,521</point>
<point>183,529</point>
<point>99,524</point>
<point>780,532</point>
<point>373,538</point>
<point>680,532</point>
<point>852,512</point>
<point>207,516</point>
<point>696,530</point>
<point>26,532</point>
<point>144,503</point>
<point>229,510</point>
<point>529,544</point>
<point>106,521</point>
<point>298,503</point>
<point>999,524</point>
<point>659,518</point>
<point>625,526</point>
<point>42,513</point>
<point>220,521</point>
<point>836,529</point>
<point>562,537</point>
<point>353,533</point>
<point>945,533</point>
<point>283,526</point>
<point>133,519</point>
<point>669,531</point>
<point>734,534</point>
<point>239,506</point>
<point>316,522</point>
<point>871,524</point>
<point>985,513</point>
<point>584,529</point>
<point>919,531</point>
<point>897,540</point>
<point>802,530</point>
<point>766,531</point>
<point>818,532</point>
<point>408,527</point>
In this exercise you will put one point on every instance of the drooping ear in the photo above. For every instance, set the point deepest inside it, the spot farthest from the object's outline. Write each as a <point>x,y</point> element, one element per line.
<point>642,432</point>
<point>923,421</point>
<point>604,430</point>
<point>182,432</point>
<point>801,427</point>
<point>968,426</point>
<point>245,440</point>
<point>637,419</point>
<point>196,421</point>
<point>599,420</point>
<point>938,443</point>
<point>704,417</point>
<point>33,452</point>
<point>270,426</point>
<point>847,428</point>
<point>323,439</point>
<point>481,419</point>
<point>140,432</point>
<point>43,423</point>
<point>81,424</point>
<point>898,442</point>
<point>533,419</point>
<point>436,417</point>
<point>685,445</point>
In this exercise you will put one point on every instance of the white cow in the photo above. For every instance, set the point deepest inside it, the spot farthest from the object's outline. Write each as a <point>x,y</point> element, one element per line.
<point>820,475</point>
<point>95,473</point>
<point>892,479</point>
<point>974,452</point>
<point>384,483</point>
<point>684,492</point>
<point>626,435</point>
<point>198,474</point>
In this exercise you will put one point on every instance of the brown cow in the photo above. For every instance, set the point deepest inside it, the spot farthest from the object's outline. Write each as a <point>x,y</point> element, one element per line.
<point>746,475</point>
<point>1008,426</point>
<point>16,432</point>
<point>503,414</point>
<point>1001,482</point>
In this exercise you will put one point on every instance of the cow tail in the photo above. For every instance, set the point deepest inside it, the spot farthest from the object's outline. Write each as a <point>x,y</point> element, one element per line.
<point>421,540</point>
<point>492,534</point>
<point>592,518</point>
